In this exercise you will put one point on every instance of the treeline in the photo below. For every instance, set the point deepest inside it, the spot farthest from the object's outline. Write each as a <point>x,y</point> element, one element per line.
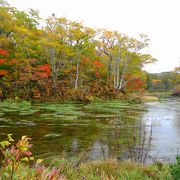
<point>56,57</point>
<point>164,81</point>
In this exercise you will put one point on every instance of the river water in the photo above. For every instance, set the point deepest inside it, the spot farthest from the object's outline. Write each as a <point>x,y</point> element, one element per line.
<point>165,119</point>
<point>97,129</point>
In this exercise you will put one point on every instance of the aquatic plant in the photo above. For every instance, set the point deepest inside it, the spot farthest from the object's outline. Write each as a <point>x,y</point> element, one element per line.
<point>139,143</point>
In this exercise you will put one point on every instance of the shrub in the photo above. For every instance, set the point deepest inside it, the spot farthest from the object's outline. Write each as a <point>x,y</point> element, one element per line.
<point>175,169</point>
<point>17,160</point>
<point>176,91</point>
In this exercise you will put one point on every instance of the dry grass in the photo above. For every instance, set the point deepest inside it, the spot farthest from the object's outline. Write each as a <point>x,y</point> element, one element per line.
<point>149,98</point>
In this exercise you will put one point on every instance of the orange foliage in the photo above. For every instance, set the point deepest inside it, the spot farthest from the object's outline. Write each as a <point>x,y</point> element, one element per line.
<point>84,60</point>
<point>3,72</point>
<point>42,74</point>
<point>44,69</point>
<point>155,82</point>
<point>98,64</point>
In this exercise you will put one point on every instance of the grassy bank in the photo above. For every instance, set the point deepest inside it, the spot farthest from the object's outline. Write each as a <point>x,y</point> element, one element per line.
<point>19,164</point>
<point>109,169</point>
<point>160,94</point>
<point>155,96</point>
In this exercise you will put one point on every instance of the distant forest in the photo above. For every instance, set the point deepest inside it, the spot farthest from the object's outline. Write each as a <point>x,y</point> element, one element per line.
<point>164,81</point>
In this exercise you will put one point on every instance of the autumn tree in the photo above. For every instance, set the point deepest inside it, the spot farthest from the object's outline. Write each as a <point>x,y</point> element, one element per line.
<point>66,57</point>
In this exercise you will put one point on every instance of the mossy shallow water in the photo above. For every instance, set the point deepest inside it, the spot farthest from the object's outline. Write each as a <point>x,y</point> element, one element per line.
<point>70,127</point>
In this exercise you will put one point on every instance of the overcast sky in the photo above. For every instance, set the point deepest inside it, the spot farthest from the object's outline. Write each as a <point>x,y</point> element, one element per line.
<point>159,19</point>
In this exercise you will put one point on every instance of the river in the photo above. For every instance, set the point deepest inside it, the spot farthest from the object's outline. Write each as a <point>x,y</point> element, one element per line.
<point>97,129</point>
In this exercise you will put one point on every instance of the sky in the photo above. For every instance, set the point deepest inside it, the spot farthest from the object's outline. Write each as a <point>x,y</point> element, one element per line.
<point>159,19</point>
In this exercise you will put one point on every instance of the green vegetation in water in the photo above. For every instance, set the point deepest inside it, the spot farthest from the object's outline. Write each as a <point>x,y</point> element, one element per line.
<point>68,109</point>
<point>64,124</point>
<point>10,105</point>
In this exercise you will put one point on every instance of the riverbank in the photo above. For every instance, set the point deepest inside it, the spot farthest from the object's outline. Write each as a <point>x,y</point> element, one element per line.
<point>77,98</point>
<point>156,96</point>
<point>100,170</point>
<point>18,163</point>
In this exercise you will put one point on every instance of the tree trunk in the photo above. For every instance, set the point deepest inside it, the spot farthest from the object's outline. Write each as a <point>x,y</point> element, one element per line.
<point>109,69</point>
<point>53,70</point>
<point>77,76</point>
<point>117,73</point>
<point>121,81</point>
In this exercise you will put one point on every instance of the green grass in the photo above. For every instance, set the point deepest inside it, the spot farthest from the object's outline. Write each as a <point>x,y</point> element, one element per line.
<point>100,170</point>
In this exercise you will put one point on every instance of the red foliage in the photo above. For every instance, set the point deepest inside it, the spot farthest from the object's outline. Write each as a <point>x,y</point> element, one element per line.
<point>97,74</point>
<point>14,61</point>
<point>41,71</point>
<point>2,61</point>
<point>45,69</point>
<point>98,64</point>
<point>138,83</point>
<point>28,153</point>
<point>135,84</point>
<point>3,52</point>
<point>3,72</point>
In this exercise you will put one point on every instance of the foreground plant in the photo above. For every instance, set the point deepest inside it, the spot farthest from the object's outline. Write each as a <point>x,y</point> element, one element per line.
<point>175,168</point>
<point>14,154</point>
<point>18,162</point>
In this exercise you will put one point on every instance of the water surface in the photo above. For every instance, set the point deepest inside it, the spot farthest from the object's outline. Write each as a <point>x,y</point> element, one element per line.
<point>99,129</point>
<point>165,119</point>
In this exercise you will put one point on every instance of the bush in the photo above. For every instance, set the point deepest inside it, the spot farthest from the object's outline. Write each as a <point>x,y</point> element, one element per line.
<point>176,91</point>
<point>175,169</point>
<point>18,162</point>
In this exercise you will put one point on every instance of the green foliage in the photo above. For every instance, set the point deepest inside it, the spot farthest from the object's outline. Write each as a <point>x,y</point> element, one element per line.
<point>165,81</point>
<point>175,168</point>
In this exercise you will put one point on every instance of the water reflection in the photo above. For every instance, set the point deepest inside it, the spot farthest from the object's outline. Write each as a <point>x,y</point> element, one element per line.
<point>165,119</point>
<point>71,128</point>
<point>99,129</point>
